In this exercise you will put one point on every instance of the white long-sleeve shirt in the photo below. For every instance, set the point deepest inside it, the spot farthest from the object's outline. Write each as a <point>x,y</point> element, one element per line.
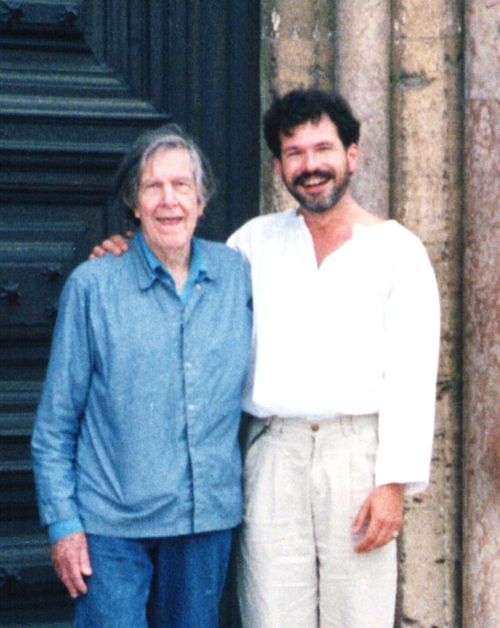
<point>358,335</point>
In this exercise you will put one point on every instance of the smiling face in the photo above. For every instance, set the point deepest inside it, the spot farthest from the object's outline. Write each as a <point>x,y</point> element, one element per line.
<point>314,164</point>
<point>168,204</point>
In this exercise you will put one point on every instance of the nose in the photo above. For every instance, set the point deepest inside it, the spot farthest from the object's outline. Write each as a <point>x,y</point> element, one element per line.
<point>310,161</point>
<point>168,197</point>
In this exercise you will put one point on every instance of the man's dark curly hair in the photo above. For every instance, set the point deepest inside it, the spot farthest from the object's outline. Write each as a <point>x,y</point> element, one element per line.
<point>305,105</point>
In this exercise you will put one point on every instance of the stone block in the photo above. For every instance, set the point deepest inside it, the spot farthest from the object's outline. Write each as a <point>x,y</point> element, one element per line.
<point>482,69</point>
<point>416,19</point>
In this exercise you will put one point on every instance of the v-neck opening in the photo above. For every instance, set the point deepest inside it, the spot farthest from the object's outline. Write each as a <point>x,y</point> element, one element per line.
<point>356,230</point>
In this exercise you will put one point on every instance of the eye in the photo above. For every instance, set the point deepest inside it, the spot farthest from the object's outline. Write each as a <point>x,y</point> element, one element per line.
<point>151,186</point>
<point>183,186</point>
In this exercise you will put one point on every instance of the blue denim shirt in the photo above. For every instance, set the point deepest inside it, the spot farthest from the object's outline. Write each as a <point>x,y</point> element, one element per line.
<point>136,430</point>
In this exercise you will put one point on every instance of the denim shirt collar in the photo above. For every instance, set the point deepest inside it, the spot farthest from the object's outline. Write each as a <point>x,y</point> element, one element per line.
<point>150,269</point>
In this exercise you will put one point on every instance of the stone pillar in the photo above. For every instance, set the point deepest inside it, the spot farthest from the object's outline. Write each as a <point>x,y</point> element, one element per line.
<point>481,317</point>
<point>297,50</point>
<point>426,197</point>
<point>362,70</point>
<point>403,80</point>
<point>323,43</point>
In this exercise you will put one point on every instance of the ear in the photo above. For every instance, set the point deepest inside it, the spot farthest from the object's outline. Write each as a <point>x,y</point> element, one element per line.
<point>201,209</point>
<point>278,169</point>
<point>353,154</point>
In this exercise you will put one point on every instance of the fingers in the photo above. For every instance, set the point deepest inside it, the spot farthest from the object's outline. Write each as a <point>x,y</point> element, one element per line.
<point>382,514</point>
<point>362,517</point>
<point>97,251</point>
<point>85,566</point>
<point>378,534</point>
<point>116,245</point>
<point>71,562</point>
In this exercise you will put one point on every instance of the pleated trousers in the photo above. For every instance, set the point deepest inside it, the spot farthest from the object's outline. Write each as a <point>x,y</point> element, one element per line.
<point>304,484</point>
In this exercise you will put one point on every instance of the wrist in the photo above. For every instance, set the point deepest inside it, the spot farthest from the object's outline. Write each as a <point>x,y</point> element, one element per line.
<point>59,529</point>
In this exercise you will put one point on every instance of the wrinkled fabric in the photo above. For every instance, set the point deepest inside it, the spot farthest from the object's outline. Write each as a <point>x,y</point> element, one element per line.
<point>304,485</point>
<point>136,430</point>
<point>358,335</point>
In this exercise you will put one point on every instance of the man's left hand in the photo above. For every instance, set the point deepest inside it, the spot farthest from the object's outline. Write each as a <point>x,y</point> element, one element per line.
<point>381,514</point>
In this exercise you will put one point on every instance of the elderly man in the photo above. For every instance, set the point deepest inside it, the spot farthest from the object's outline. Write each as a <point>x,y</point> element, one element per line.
<point>342,386</point>
<point>135,443</point>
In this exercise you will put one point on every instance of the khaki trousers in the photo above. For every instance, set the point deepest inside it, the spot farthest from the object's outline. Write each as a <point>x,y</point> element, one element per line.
<point>304,484</point>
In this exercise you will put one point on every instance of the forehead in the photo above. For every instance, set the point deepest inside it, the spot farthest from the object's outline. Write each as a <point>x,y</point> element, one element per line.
<point>312,131</point>
<point>169,162</point>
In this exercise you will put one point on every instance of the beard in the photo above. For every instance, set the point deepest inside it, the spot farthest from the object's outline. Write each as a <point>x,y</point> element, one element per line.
<point>320,202</point>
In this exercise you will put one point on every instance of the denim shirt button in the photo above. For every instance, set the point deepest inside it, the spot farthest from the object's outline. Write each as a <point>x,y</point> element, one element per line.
<point>197,350</point>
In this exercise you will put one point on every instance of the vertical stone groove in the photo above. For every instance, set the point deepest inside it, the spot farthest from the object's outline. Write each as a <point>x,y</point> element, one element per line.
<point>399,62</point>
<point>481,319</point>
<point>362,52</point>
<point>427,197</point>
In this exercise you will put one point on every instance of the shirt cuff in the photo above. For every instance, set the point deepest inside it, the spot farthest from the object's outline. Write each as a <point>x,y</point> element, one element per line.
<point>60,529</point>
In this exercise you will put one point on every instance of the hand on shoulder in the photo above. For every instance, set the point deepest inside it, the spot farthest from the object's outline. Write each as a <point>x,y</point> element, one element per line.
<point>115,244</point>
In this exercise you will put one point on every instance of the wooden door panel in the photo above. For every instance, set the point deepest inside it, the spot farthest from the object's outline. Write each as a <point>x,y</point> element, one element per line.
<point>79,80</point>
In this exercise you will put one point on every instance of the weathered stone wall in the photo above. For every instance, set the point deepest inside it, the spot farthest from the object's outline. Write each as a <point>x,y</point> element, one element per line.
<point>362,75</point>
<point>399,64</point>
<point>426,197</point>
<point>481,317</point>
<point>297,50</point>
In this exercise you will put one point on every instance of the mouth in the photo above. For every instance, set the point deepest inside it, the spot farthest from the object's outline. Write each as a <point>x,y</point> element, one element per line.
<point>169,221</point>
<point>313,181</point>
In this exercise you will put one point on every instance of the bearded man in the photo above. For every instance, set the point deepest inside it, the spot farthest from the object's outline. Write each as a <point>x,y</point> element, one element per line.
<point>342,387</point>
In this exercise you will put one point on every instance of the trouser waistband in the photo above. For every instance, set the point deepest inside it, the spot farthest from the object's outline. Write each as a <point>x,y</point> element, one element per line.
<point>345,424</point>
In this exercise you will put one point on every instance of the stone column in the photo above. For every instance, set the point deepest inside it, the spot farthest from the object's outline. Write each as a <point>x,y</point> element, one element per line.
<point>324,43</point>
<point>426,197</point>
<point>412,142</point>
<point>362,70</point>
<point>297,50</point>
<point>481,317</point>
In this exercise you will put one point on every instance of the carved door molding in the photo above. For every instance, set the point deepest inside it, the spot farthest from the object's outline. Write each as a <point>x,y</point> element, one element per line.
<point>79,80</point>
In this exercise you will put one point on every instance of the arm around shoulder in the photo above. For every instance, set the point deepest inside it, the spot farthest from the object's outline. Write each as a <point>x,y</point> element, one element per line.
<point>115,244</point>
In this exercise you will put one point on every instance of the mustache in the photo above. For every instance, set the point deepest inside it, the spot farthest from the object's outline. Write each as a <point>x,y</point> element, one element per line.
<point>303,176</point>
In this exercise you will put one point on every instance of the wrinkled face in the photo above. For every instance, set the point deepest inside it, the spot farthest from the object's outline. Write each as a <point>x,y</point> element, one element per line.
<point>314,164</point>
<point>168,205</point>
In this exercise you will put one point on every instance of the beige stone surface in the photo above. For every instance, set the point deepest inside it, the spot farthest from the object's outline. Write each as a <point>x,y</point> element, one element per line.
<point>295,58</point>
<point>482,363</point>
<point>296,50</point>
<point>362,45</point>
<point>482,69</point>
<point>482,324</point>
<point>425,175</point>
<point>424,19</point>
<point>400,65</point>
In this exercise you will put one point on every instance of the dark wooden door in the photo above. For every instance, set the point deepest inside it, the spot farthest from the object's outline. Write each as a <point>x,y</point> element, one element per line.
<point>78,81</point>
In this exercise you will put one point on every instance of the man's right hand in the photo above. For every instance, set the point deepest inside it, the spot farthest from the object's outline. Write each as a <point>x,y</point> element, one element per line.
<point>116,245</point>
<point>71,561</point>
